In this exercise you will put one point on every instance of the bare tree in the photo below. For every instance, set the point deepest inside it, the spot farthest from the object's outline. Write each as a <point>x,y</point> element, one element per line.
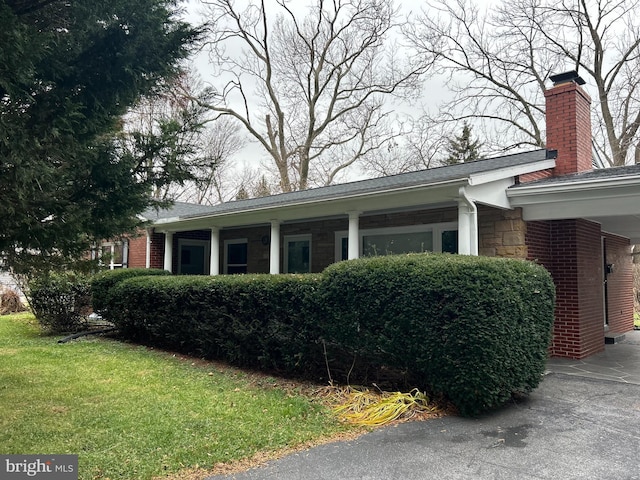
<point>216,178</point>
<point>312,89</point>
<point>174,124</point>
<point>420,145</point>
<point>502,58</point>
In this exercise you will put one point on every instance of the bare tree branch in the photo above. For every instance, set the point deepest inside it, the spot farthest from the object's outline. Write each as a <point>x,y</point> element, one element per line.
<point>307,86</point>
<point>505,55</point>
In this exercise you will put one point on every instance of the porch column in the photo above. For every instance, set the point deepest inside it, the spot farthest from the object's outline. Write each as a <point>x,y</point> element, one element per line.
<point>168,250</point>
<point>353,250</point>
<point>274,252</point>
<point>214,252</point>
<point>147,260</point>
<point>467,225</point>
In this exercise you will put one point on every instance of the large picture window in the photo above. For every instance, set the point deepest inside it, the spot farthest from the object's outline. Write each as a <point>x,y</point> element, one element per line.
<point>235,256</point>
<point>439,237</point>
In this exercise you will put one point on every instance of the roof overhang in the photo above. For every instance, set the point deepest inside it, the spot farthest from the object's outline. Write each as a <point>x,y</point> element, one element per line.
<point>486,187</point>
<point>409,197</point>
<point>612,202</point>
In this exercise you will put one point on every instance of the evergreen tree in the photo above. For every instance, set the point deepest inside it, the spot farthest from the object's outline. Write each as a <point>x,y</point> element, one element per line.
<point>462,148</point>
<point>68,72</point>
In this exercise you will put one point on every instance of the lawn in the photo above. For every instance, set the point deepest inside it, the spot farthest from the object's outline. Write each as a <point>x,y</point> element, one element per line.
<point>130,412</point>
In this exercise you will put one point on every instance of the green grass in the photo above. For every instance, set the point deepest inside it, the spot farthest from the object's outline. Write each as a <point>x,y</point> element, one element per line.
<point>133,413</point>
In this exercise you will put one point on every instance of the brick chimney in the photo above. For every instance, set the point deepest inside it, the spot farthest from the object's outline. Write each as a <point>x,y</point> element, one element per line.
<point>569,123</point>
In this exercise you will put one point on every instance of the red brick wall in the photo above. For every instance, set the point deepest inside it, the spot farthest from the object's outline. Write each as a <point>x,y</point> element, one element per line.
<point>417,217</point>
<point>538,240</point>
<point>569,127</point>
<point>157,250</point>
<point>257,252</point>
<point>619,284</point>
<point>138,251</point>
<point>323,240</point>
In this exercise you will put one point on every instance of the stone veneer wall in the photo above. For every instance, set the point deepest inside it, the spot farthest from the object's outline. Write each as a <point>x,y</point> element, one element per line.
<point>502,233</point>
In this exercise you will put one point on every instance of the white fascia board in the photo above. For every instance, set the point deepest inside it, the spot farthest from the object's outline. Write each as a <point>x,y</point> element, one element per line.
<point>530,194</point>
<point>509,172</point>
<point>162,224</point>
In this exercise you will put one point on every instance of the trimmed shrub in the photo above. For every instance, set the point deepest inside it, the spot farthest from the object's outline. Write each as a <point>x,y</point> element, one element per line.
<point>61,302</point>
<point>102,284</point>
<point>475,329</point>
<point>258,321</point>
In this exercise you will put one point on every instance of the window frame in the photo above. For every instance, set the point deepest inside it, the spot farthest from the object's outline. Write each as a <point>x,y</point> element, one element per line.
<point>226,264</point>
<point>112,246</point>
<point>196,243</point>
<point>296,238</point>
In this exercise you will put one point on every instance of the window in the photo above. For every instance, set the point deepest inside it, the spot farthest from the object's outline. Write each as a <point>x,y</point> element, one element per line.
<point>297,254</point>
<point>449,240</point>
<point>235,256</point>
<point>193,257</point>
<point>114,254</point>
<point>390,243</point>
<point>438,237</point>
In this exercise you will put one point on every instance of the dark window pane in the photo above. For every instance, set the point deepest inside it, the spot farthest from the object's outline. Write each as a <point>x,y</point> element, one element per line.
<point>450,241</point>
<point>237,253</point>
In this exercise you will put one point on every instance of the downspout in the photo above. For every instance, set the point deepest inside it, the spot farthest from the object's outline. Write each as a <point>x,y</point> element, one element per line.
<point>468,225</point>
<point>147,259</point>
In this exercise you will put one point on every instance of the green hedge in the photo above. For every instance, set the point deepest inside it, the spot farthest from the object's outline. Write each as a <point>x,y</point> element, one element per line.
<point>476,329</point>
<point>259,321</point>
<point>102,285</point>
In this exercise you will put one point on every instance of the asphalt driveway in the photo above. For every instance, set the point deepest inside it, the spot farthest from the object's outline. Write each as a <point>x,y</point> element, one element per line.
<point>569,428</point>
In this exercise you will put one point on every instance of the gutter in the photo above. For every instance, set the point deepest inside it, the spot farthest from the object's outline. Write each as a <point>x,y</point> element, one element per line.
<point>570,186</point>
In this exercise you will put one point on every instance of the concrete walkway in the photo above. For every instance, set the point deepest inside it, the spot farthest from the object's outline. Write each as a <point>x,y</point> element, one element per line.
<point>582,422</point>
<point>619,362</point>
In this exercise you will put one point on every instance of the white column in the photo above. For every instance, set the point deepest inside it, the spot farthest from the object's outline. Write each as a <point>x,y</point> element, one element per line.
<point>274,252</point>
<point>214,262</point>
<point>467,225</point>
<point>168,250</point>
<point>353,250</point>
<point>147,260</point>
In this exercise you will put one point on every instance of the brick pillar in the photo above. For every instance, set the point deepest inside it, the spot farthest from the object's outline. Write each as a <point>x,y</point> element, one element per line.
<point>157,251</point>
<point>569,127</point>
<point>576,266</point>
